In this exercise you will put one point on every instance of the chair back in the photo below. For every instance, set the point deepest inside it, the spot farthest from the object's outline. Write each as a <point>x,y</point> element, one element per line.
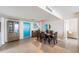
<point>51,32</point>
<point>55,35</point>
<point>38,33</point>
<point>42,35</point>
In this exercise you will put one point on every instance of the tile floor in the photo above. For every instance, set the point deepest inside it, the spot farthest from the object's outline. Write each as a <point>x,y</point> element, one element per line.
<point>33,46</point>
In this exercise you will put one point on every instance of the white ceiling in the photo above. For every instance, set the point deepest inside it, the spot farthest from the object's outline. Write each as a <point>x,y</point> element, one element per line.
<point>36,13</point>
<point>26,12</point>
<point>66,11</point>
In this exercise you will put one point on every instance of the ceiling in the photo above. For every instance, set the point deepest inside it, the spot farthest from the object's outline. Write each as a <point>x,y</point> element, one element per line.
<point>66,11</point>
<point>35,13</point>
<point>26,12</point>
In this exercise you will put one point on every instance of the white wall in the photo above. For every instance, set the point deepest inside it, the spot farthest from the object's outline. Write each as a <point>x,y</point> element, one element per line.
<point>21,29</point>
<point>57,26</point>
<point>73,26</point>
<point>0,32</point>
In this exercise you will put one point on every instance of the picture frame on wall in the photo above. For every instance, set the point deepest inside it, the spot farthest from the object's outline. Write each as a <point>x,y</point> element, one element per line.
<point>36,26</point>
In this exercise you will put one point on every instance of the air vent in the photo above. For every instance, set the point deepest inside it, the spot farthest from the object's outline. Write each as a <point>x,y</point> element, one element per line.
<point>48,8</point>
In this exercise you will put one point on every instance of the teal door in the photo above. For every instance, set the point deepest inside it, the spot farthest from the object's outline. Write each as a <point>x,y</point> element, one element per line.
<point>26,30</point>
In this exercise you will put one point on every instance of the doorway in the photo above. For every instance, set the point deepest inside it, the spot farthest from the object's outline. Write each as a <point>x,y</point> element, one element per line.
<point>26,30</point>
<point>71,35</point>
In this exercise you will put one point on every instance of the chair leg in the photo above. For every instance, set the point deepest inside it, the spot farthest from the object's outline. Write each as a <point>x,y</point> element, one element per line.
<point>40,40</point>
<point>54,41</point>
<point>49,41</point>
<point>44,40</point>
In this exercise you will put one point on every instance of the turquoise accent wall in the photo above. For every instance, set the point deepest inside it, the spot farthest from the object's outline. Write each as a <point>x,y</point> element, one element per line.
<point>26,30</point>
<point>46,26</point>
